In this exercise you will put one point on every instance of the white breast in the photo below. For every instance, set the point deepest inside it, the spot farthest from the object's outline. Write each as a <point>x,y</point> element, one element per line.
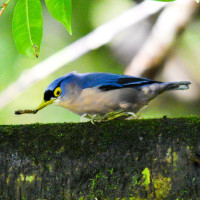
<point>91,101</point>
<point>95,101</point>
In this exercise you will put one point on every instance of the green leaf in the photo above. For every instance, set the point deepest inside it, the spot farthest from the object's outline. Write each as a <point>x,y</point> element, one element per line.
<point>61,11</point>
<point>27,27</point>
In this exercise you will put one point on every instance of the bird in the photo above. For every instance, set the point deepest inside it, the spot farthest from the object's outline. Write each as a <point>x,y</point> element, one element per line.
<point>97,94</point>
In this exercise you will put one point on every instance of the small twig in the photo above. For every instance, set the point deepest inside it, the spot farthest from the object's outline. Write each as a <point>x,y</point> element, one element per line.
<point>19,112</point>
<point>3,7</point>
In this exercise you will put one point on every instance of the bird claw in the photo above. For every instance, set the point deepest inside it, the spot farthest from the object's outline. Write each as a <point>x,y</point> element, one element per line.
<point>83,116</point>
<point>120,114</point>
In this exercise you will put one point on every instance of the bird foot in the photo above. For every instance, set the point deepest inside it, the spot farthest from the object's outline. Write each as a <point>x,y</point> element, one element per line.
<point>120,114</point>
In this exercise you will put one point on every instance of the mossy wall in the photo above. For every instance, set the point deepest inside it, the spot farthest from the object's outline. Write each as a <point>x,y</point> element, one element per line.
<point>139,159</point>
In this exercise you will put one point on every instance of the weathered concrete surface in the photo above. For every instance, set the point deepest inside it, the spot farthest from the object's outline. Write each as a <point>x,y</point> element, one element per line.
<point>140,159</point>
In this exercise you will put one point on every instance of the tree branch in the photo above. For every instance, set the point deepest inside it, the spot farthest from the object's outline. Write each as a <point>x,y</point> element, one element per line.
<point>3,7</point>
<point>159,43</point>
<point>44,161</point>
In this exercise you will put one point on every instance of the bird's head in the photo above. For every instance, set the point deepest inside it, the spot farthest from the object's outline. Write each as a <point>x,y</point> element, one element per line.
<point>56,91</point>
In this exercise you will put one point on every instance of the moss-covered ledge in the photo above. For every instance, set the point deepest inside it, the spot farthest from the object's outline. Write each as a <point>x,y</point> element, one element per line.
<point>139,159</point>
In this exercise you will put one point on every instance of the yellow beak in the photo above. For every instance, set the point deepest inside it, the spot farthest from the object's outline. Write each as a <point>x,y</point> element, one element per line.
<point>44,104</point>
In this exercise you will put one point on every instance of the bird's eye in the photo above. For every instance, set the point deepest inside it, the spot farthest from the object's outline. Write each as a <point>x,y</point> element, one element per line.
<point>57,92</point>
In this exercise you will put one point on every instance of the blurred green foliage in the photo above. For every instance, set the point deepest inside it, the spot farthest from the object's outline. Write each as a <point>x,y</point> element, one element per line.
<point>86,17</point>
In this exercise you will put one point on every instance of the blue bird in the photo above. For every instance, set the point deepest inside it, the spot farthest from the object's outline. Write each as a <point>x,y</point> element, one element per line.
<point>103,93</point>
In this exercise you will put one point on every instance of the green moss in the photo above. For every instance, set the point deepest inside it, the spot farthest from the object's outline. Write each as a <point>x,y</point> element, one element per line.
<point>162,186</point>
<point>146,178</point>
<point>137,159</point>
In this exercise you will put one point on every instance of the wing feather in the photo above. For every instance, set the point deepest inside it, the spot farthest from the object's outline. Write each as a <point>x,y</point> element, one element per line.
<point>106,81</point>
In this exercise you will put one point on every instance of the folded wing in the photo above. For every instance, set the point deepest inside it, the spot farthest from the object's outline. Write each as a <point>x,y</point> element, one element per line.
<point>106,82</point>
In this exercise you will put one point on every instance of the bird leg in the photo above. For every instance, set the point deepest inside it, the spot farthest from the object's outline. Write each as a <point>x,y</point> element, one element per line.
<point>119,114</point>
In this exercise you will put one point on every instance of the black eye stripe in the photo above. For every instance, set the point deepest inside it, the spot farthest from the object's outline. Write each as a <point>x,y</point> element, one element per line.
<point>48,94</point>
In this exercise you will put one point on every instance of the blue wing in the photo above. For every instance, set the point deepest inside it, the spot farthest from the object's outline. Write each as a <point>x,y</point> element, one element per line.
<point>106,81</point>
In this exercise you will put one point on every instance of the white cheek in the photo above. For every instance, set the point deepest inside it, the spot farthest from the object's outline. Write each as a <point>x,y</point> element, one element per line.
<point>57,101</point>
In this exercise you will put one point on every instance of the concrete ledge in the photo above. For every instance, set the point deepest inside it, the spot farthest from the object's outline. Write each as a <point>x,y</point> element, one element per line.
<point>139,159</point>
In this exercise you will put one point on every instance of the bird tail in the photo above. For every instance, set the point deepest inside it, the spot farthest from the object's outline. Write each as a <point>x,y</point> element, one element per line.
<point>182,85</point>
